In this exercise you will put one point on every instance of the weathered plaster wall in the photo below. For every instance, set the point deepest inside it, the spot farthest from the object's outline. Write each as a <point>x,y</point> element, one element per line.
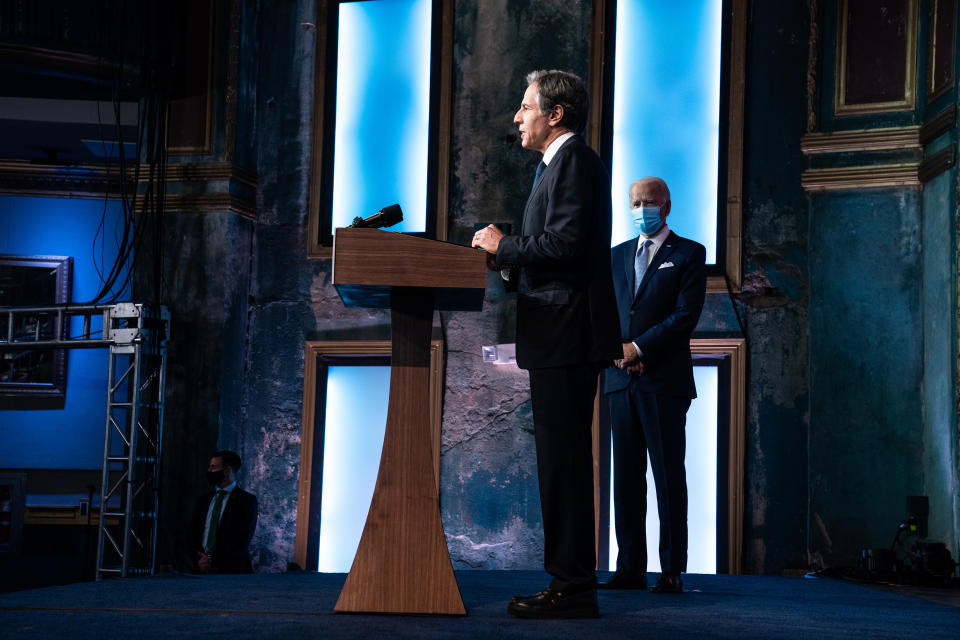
<point>775,293</point>
<point>865,313</point>
<point>489,493</point>
<point>207,266</point>
<point>280,311</point>
<point>939,304</point>
<point>883,335</point>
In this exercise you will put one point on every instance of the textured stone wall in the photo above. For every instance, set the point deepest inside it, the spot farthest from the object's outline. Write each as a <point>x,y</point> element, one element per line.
<point>280,307</point>
<point>207,265</point>
<point>865,436</point>
<point>940,472</point>
<point>775,294</point>
<point>489,493</point>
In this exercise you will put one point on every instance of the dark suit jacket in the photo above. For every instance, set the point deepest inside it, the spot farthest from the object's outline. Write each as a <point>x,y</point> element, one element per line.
<point>662,315</point>
<point>237,523</point>
<point>560,265</point>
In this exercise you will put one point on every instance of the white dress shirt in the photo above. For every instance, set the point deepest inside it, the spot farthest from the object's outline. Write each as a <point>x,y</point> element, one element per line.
<point>658,239</point>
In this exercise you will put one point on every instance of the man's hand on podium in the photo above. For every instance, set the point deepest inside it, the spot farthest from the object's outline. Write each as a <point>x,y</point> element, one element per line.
<point>488,239</point>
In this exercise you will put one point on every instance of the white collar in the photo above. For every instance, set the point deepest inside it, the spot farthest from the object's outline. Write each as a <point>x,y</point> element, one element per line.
<point>555,146</point>
<point>658,239</point>
<point>229,488</point>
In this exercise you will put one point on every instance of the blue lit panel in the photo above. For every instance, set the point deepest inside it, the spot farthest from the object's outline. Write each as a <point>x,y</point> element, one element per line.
<point>666,111</point>
<point>701,465</point>
<point>356,418</point>
<point>88,230</point>
<point>383,111</point>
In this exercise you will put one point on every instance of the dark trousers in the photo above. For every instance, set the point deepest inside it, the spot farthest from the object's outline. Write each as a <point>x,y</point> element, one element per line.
<point>651,423</point>
<point>562,399</point>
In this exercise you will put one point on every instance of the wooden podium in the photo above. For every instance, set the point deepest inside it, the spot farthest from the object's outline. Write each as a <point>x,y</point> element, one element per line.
<point>402,563</point>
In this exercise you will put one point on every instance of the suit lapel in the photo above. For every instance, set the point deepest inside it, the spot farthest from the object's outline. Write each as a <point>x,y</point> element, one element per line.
<point>629,259</point>
<point>550,167</point>
<point>668,247</point>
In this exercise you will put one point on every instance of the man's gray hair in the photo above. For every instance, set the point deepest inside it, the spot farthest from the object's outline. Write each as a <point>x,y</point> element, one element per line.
<point>565,89</point>
<point>661,185</point>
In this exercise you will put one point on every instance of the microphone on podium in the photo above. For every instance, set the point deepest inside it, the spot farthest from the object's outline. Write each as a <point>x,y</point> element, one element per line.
<point>384,218</point>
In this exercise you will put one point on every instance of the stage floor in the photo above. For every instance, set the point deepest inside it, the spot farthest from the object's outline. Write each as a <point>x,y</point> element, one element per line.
<point>294,605</point>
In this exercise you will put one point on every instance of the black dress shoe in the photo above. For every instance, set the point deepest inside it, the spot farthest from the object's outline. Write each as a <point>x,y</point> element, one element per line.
<point>533,595</point>
<point>668,583</point>
<point>623,580</point>
<point>554,604</point>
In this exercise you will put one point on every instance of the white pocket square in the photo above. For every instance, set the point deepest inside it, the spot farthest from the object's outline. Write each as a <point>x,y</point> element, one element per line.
<point>665,265</point>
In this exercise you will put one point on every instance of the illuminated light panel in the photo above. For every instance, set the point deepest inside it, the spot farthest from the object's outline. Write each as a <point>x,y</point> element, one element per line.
<point>356,418</point>
<point>666,112</point>
<point>71,437</point>
<point>383,111</point>
<point>701,465</point>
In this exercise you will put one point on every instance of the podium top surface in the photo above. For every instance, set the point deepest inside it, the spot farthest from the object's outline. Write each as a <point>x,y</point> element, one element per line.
<point>369,263</point>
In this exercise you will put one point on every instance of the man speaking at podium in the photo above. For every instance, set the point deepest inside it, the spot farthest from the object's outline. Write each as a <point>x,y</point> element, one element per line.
<point>567,328</point>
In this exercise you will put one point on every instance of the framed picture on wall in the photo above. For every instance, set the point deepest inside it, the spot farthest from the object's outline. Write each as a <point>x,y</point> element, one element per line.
<point>32,282</point>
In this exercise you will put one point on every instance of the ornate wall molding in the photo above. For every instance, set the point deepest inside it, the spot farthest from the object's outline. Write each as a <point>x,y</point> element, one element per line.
<point>191,187</point>
<point>210,172</point>
<point>195,109</point>
<point>938,125</point>
<point>942,39</point>
<point>845,104</point>
<point>23,178</point>
<point>862,177</point>
<point>861,140</point>
<point>233,73</point>
<point>935,164</point>
<point>736,350</point>
<point>813,49</point>
<point>85,65</point>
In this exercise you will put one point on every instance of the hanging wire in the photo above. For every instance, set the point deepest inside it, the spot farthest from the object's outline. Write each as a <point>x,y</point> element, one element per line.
<point>141,202</point>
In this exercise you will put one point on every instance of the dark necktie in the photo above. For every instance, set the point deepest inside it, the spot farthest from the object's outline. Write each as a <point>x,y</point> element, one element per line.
<point>640,267</point>
<point>536,178</point>
<point>215,520</point>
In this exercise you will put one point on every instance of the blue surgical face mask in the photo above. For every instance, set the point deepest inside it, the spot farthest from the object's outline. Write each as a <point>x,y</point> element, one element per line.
<point>646,219</point>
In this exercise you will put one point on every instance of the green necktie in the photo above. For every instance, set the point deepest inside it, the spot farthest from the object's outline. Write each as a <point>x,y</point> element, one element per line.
<point>215,521</point>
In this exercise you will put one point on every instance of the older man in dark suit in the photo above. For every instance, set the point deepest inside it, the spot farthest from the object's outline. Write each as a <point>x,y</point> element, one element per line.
<point>660,281</point>
<point>566,328</point>
<point>224,520</point>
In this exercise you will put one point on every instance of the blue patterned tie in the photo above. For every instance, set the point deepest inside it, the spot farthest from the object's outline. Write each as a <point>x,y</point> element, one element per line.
<point>640,266</point>
<point>536,178</point>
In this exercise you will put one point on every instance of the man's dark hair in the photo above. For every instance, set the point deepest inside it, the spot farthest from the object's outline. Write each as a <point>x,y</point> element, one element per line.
<point>566,89</point>
<point>230,459</point>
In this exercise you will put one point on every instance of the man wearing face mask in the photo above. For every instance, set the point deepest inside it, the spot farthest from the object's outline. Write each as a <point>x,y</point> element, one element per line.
<point>224,520</point>
<point>660,281</point>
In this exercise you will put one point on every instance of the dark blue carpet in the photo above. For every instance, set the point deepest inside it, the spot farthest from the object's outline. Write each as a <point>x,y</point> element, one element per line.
<point>297,605</point>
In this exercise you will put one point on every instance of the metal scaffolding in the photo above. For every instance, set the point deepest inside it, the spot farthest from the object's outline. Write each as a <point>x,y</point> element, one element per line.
<point>137,337</point>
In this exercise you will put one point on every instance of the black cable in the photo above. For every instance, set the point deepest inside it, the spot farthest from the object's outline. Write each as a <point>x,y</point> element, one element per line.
<point>124,246</point>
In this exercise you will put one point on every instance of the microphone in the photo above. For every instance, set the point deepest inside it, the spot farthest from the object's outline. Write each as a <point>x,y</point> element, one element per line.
<point>386,217</point>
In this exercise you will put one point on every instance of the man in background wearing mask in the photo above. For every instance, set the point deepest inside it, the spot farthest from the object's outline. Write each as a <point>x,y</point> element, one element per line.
<point>224,520</point>
<point>660,281</point>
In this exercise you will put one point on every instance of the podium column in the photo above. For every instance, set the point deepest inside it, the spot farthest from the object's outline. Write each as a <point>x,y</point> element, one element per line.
<point>402,563</point>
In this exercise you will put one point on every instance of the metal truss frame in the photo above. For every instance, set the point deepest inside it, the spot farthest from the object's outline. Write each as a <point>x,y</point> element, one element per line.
<point>136,336</point>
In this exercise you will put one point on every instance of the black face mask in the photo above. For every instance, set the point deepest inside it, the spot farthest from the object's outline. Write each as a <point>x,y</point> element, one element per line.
<point>215,477</point>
